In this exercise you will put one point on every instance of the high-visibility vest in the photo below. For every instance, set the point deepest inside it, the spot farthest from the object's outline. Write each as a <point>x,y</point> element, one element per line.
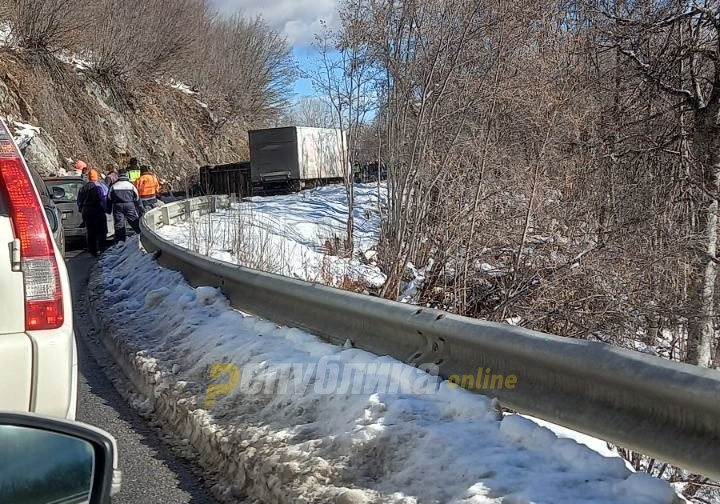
<point>133,175</point>
<point>147,185</point>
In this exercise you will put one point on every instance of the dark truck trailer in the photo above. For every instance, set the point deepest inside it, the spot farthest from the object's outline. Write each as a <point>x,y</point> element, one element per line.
<point>230,178</point>
<point>295,157</point>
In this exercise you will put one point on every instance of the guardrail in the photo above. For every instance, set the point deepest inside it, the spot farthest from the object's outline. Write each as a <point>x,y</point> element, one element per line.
<point>664,409</point>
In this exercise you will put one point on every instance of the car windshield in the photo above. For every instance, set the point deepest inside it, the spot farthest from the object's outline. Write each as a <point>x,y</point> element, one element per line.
<point>71,188</point>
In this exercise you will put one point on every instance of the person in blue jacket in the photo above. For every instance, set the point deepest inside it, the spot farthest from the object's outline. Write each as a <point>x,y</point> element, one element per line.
<point>92,203</point>
<point>123,202</point>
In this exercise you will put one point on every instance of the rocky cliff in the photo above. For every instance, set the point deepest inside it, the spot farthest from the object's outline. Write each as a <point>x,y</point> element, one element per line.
<point>78,117</point>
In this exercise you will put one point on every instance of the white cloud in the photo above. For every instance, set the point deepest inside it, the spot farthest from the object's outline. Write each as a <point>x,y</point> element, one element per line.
<point>298,20</point>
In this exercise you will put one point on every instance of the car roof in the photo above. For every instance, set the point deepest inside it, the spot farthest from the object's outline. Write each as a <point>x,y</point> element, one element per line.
<point>69,177</point>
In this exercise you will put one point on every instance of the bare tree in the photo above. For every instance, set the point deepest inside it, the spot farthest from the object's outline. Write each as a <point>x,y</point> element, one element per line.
<point>434,68</point>
<point>346,78</point>
<point>547,164</point>
<point>142,38</point>
<point>244,69</point>
<point>674,46</point>
<point>313,112</point>
<point>44,25</point>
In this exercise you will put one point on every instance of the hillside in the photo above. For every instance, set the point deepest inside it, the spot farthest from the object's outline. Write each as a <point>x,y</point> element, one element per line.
<point>80,118</point>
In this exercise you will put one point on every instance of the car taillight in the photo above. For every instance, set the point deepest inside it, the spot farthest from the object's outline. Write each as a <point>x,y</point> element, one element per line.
<point>43,292</point>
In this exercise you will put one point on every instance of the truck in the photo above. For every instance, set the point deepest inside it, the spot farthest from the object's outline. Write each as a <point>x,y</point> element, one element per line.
<point>295,157</point>
<point>228,178</point>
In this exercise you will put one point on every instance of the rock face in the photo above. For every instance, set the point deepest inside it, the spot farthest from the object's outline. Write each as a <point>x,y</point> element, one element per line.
<point>42,153</point>
<point>81,118</point>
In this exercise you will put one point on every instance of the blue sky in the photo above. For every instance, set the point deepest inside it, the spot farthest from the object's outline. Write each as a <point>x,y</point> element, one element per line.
<point>304,56</point>
<point>298,20</point>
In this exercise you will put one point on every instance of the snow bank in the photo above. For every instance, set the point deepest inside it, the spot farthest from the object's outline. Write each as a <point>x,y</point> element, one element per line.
<point>293,235</point>
<point>311,422</point>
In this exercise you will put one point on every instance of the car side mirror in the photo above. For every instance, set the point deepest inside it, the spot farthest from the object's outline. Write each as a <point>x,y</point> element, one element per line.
<point>58,193</point>
<point>52,460</point>
<point>52,218</point>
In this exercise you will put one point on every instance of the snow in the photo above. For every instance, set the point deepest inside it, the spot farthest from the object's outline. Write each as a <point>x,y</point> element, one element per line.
<point>339,419</point>
<point>182,87</point>
<point>666,342</point>
<point>295,235</point>
<point>595,444</point>
<point>24,133</point>
<point>186,89</point>
<point>76,61</point>
<point>5,34</point>
<point>411,290</point>
<point>489,269</point>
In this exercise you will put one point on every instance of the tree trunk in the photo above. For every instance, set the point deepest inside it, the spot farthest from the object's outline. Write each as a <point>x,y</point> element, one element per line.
<point>701,335</point>
<point>350,224</point>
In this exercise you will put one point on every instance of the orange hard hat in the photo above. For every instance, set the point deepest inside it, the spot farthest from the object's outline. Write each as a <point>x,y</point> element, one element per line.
<point>80,165</point>
<point>93,175</point>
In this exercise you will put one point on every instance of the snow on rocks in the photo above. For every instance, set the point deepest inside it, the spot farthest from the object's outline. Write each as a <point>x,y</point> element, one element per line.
<point>24,133</point>
<point>38,148</point>
<point>182,87</point>
<point>307,421</point>
<point>186,89</point>
<point>296,235</point>
<point>5,35</point>
<point>80,64</point>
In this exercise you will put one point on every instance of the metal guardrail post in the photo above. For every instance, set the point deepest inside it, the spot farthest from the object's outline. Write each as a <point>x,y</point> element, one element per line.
<point>664,409</point>
<point>165,214</point>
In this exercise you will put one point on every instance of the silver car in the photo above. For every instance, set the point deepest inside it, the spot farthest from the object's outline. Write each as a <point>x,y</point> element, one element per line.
<point>64,191</point>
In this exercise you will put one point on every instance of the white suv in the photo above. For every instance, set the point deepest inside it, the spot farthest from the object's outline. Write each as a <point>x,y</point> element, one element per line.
<point>38,356</point>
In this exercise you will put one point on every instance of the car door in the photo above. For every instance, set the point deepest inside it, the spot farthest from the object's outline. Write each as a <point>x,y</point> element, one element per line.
<point>67,204</point>
<point>55,220</point>
<point>15,346</point>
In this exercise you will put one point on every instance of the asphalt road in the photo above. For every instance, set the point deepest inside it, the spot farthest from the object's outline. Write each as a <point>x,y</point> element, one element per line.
<point>152,473</point>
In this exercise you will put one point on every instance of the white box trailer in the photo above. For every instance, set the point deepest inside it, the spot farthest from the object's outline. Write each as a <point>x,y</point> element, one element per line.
<point>296,156</point>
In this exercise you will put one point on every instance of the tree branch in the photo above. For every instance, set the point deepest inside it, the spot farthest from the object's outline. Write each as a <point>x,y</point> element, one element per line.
<point>650,75</point>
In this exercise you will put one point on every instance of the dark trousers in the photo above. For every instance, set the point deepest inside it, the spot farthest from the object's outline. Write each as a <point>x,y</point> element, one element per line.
<point>96,229</point>
<point>125,212</point>
<point>149,203</point>
<point>104,225</point>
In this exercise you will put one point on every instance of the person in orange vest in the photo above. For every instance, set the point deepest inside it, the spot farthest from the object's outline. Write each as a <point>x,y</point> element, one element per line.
<point>148,188</point>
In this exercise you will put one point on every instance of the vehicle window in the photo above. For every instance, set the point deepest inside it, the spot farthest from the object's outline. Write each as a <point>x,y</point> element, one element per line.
<point>49,466</point>
<point>71,188</point>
